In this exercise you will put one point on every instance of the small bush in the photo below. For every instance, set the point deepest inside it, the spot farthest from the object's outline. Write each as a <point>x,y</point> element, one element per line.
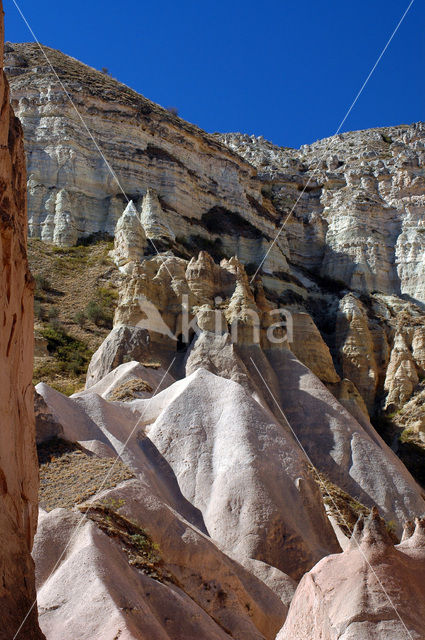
<point>41,282</point>
<point>386,138</point>
<point>80,318</point>
<point>100,310</point>
<point>42,286</point>
<point>73,355</point>
<point>38,310</point>
<point>96,314</point>
<point>53,313</point>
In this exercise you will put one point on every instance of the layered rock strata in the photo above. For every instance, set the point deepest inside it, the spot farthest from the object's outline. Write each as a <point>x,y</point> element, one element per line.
<point>18,460</point>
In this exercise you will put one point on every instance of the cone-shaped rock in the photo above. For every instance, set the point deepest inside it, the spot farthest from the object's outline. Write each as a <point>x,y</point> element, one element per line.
<point>153,218</point>
<point>130,240</point>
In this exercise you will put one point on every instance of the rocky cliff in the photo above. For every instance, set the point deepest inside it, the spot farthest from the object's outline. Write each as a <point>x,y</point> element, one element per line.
<point>353,207</point>
<point>185,174</point>
<point>358,204</point>
<point>357,198</point>
<point>222,449</point>
<point>18,462</point>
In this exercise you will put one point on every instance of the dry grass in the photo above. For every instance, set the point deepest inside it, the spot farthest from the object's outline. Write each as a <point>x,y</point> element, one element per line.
<point>152,365</point>
<point>345,509</point>
<point>70,475</point>
<point>140,549</point>
<point>130,390</point>
<point>67,281</point>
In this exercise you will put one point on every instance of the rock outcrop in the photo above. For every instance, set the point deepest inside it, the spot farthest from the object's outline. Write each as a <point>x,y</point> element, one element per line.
<point>182,180</point>
<point>371,590</point>
<point>153,219</point>
<point>129,240</point>
<point>353,207</point>
<point>357,202</point>
<point>18,460</point>
<point>236,391</point>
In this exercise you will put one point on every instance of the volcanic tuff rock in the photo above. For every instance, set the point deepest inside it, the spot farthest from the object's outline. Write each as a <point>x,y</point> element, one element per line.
<point>215,417</point>
<point>341,445</point>
<point>357,202</point>
<point>228,527</point>
<point>18,462</point>
<point>388,601</point>
<point>193,591</point>
<point>188,178</point>
<point>353,207</point>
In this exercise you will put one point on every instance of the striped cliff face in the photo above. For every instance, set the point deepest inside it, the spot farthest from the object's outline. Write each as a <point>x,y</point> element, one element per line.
<point>18,462</point>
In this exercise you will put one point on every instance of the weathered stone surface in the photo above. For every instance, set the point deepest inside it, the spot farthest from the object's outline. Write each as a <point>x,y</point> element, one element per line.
<point>349,452</point>
<point>250,487</point>
<point>129,238</point>
<point>356,348</point>
<point>46,425</point>
<point>155,376</point>
<point>402,377</point>
<point>309,347</point>
<point>153,219</point>
<point>18,460</point>
<point>205,190</point>
<point>205,593</point>
<point>360,219</point>
<point>123,344</point>
<point>371,590</point>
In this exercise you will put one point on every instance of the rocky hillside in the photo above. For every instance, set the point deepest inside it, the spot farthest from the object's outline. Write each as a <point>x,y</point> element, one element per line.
<point>71,192</point>
<point>18,462</point>
<point>358,202</point>
<point>206,481</point>
<point>353,207</point>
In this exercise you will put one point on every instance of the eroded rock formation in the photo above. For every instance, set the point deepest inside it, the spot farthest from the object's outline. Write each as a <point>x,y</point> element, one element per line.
<point>372,590</point>
<point>18,461</point>
<point>360,217</point>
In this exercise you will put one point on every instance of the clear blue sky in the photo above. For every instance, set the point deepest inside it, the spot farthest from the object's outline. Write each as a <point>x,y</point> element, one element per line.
<point>287,70</point>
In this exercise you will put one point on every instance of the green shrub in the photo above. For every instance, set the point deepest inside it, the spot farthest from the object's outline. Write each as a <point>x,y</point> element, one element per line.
<point>42,286</point>
<point>53,313</point>
<point>72,355</point>
<point>41,282</point>
<point>80,318</point>
<point>100,310</point>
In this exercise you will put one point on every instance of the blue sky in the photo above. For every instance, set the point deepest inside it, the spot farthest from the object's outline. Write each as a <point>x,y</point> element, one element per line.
<point>287,70</point>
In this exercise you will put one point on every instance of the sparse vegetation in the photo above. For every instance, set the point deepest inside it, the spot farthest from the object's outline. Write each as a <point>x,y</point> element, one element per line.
<point>345,509</point>
<point>100,310</point>
<point>69,474</point>
<point>42,285</point>
<point>395,428</point>
<point>141,551</point>
<point>71,354</point>
<point>386,138</point>
<point>67,280</point>
<point>130,390</point>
